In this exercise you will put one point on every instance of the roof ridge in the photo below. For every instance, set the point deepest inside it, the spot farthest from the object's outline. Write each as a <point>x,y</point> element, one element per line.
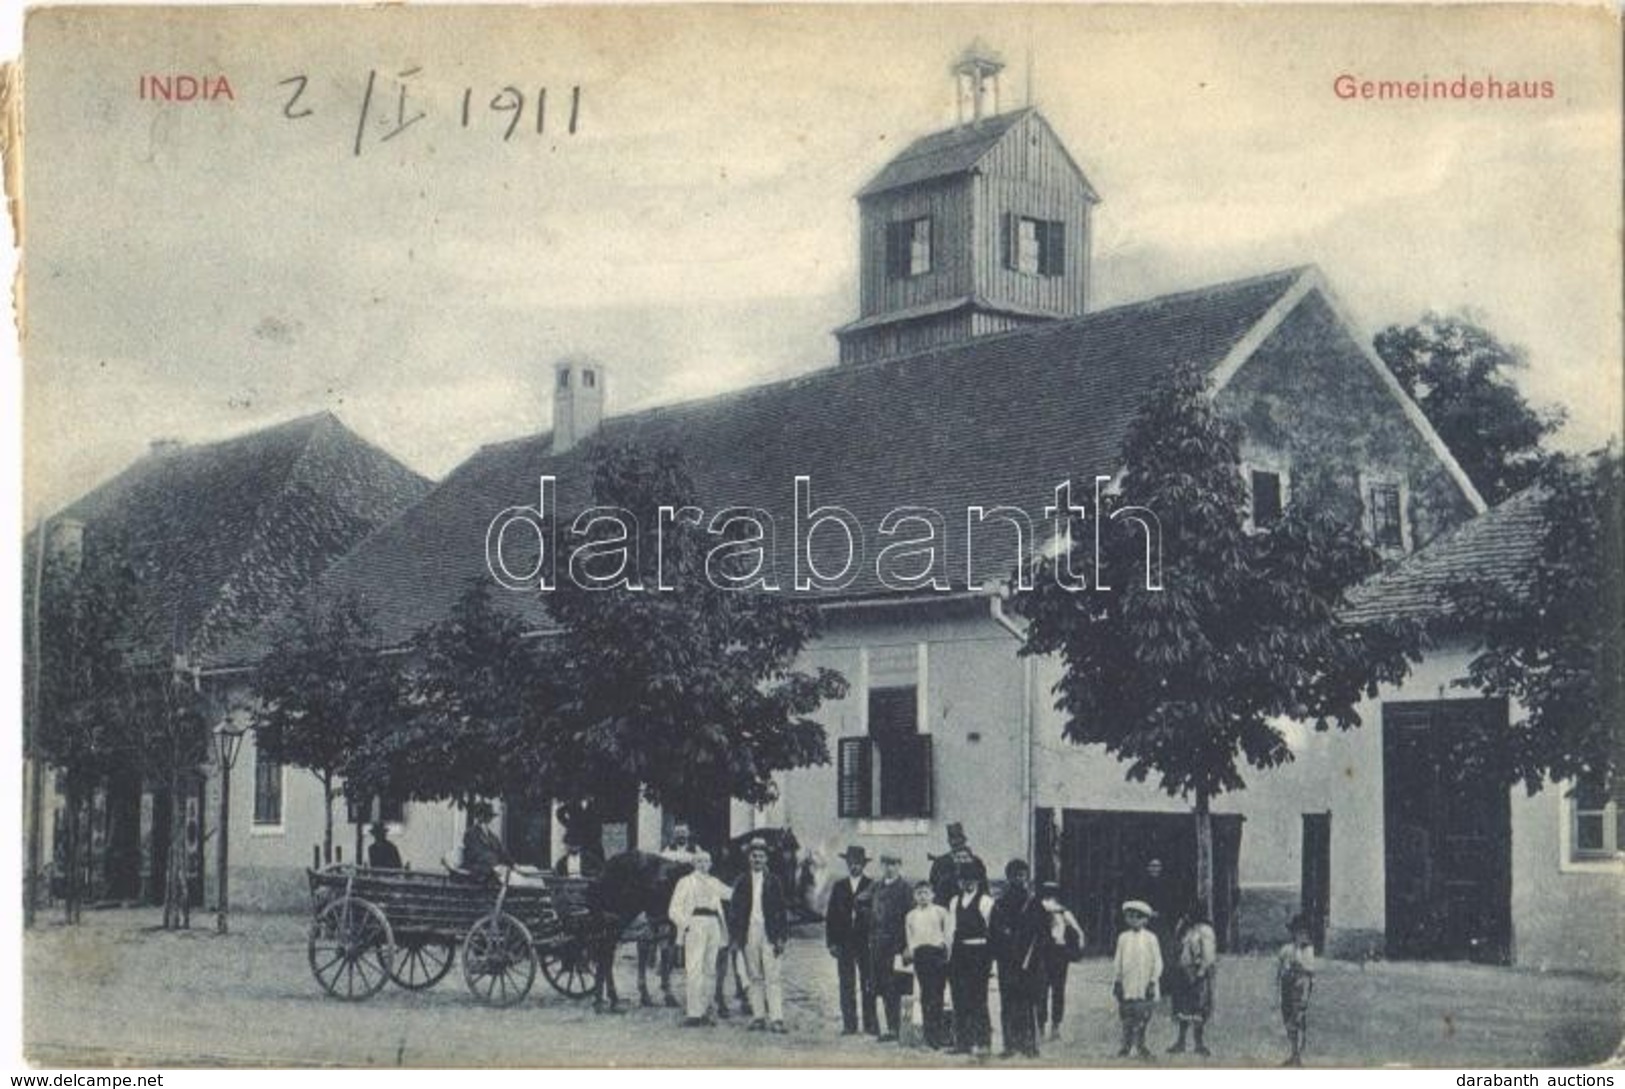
<point>832,371</point>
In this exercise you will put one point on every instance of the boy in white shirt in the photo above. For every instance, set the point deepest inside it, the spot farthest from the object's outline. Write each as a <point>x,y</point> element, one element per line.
<point>1136,970</point>
<point>927,931</point>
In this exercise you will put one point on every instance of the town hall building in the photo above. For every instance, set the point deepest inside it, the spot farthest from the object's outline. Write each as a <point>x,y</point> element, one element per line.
<point>975,377</point>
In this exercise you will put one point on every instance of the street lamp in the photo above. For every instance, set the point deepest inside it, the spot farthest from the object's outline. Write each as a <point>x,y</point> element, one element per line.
<point>227,740</point>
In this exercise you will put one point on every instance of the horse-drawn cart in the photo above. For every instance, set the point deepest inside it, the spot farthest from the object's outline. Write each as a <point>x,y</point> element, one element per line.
<point>372,926</point>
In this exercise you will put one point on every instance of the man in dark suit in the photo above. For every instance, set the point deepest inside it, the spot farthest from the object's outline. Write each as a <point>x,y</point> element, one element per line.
<point>1019,935</point>
<point>577,860</point>
<point>945,869</point>
<point>847,922</point>
<point>484,856</point>
<point>888,940</point>
<point>382,854</point>
<point>758,928</point>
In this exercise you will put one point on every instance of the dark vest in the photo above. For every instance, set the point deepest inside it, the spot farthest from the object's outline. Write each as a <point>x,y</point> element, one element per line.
<point>968,921</point>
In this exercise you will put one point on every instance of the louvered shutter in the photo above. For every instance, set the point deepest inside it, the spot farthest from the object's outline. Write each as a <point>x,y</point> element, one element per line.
<point>1007,239</point>
<point>1055,249</point>
<point>927,775</point>
<point>897,241</point>
<point>854,781</point>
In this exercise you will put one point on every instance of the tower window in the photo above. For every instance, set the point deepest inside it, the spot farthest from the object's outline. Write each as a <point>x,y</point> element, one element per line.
<point>564,379</point>
<point>1035,247</point>
<point>1387,516</point>
<point>908,247</point>
<point>588,379</point>
<point>1266,497</point>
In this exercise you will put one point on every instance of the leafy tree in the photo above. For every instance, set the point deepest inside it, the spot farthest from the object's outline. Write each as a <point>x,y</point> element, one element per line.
<point>475,691</point>
<point>1188,682</point>
<point>167,719</point>
<point>686,693</point>
<point>1461,377</point>
<point>324,694</point>
<point>81,642</point>
<point>1555,642</point>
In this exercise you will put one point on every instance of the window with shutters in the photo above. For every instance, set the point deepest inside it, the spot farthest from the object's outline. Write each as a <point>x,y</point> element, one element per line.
<point>267,792</point>
<point>908,248</point>
<point>1036,247</point>
<point>886,773</point>
<point>1597,820</point>
<point>1387,513</point>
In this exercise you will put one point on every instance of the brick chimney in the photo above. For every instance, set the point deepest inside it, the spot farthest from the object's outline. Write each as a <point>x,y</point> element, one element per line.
<point>65,543</point>
<point>578,402</point>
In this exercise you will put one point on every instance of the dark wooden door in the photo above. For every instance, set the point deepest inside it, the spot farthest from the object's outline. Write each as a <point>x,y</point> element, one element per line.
<point>1315,892</point>
<point>1103,862</point>
<point>1448,833</point>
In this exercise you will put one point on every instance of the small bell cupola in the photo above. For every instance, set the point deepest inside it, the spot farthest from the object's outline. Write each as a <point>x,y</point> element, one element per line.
<point>980,228</point>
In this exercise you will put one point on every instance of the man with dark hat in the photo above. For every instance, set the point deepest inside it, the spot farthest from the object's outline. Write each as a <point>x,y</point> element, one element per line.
<point>382,854</point>
<point>577,860</point>
<point>1019,932</point>
<point>968,961</point>
<point>945,868</point>
<point>888,941</point>
<point>846,931</point>
<point>483,853</point>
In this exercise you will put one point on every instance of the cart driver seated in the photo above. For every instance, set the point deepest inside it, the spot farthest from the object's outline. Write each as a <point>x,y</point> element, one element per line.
<point>485,859</point>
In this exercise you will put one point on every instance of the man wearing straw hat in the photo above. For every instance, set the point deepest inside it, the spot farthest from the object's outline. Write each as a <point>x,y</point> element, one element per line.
<point>759,927</point>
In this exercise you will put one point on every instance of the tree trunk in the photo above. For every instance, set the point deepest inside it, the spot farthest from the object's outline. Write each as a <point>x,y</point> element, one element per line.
<point>70,892</point>
<point>1204,855</point>
<point>176,902</point>
<point>357,858</point>
<point>327,827</point>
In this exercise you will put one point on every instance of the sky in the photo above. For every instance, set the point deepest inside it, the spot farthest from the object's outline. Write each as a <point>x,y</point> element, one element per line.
<point>197,270</point>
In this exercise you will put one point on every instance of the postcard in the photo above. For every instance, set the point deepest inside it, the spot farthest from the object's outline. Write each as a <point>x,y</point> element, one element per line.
<point>836,536</point>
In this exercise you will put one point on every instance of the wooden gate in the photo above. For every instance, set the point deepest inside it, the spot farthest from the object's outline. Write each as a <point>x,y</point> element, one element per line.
<point>1447,833</point>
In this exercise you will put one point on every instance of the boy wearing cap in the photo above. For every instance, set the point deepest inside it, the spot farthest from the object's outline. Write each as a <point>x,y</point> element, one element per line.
<point>758,927</point>
<point>1136,970</point>
<point>846,933</point>
<point>888,940</point>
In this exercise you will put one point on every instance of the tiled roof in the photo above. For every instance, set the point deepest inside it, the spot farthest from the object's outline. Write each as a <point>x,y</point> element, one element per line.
<point>1497,546</point>
<point>997,420</point>
<point>949,152</point>
<point>225,535</point>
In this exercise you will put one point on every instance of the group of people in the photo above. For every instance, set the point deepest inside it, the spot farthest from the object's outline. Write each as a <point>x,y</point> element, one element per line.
<point>945,935</point>
<point>948,934</point>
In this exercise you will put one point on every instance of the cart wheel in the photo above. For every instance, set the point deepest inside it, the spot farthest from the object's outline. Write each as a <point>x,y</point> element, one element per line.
<point>571,969</point>
<point>420,962</point>
<point>499,960</point>
<point>351,949</point>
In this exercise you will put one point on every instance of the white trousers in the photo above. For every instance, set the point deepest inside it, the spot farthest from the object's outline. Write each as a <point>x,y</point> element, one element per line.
<point>701,942</point>
<point>762,969</point>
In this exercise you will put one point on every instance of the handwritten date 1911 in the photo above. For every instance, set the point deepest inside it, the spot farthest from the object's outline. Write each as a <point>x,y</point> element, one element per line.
<point>389,108</point>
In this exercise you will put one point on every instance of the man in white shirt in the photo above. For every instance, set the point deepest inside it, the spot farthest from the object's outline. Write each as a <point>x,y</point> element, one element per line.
<point>696,913</point>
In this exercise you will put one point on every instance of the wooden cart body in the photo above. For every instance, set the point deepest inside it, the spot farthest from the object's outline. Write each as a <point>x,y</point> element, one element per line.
<point>371,926</point>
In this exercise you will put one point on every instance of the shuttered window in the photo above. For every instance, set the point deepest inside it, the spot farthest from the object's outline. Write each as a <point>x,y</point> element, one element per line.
<point>1387,516</point>
<point>1598,830</point>
<point>908,248</point>
<point>267,791</point>
<point>1036,247</point>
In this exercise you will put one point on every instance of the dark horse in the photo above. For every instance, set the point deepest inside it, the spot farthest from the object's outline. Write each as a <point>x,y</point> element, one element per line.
<point>638,883</point>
